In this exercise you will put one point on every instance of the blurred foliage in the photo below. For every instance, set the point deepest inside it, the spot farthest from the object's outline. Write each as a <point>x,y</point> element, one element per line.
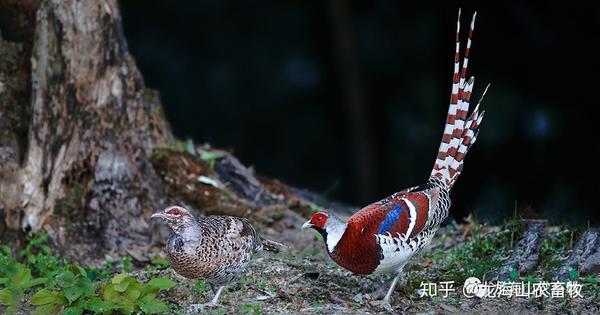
<point>62,287</point>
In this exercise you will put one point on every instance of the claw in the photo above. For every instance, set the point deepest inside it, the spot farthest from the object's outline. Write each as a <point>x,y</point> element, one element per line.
<point>201,308</point>
<point>385,304</point>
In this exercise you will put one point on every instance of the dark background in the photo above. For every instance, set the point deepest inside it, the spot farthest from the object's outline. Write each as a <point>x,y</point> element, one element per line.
<point>349,99</point>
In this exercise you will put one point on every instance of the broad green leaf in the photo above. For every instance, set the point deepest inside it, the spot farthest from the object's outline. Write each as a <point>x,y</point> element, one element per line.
<point>47,309</point>
<point>119,278</point>
<point>73,310</point>
<point>162,283</point>
<point>5,296</point>
<point>133,294</point>
<point>149,289</point>
<point>22,276</point>
<point>110,295</point>
<point>11,298</point>
<point>121,286</point>
<point>126,306</point>
<point>209,181</point>
<point>96,305</point>
<point>34,282</point>
<point>79,269</point>
<point>65,278</point>
<point>45,296</point>
<point>211,155</point>
<point>149,304</point>
<point>72,293</point>
<point>85,285</point>
<point>190,148</point>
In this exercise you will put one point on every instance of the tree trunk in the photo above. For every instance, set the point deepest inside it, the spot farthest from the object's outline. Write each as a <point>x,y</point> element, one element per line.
<point>76,132</point>
<point>86,154</point>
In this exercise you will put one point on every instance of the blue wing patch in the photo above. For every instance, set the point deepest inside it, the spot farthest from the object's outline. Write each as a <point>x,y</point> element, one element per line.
<point>392,217</point>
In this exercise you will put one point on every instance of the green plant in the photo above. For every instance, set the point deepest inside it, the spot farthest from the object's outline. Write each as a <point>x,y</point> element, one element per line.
<point>250,309</point>
<point>5,251</point>
<point>74,287</point>
<point>127,264</point>
<point>160,262</point>
<point>211,157</point>
<point>201,286</point>
<point>16,279</point>
<point>310,251</point>
<point>475,258</point>
<point>103,273</point>
<point>127,294</point>
<point>246,281</point>
<point>39,258</point>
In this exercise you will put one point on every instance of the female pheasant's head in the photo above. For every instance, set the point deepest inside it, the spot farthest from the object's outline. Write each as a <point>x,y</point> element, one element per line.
<point>329,226</point>
<point>176,217</point>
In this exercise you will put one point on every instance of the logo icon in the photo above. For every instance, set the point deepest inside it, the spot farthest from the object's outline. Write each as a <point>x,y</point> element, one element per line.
<point>474,288</point>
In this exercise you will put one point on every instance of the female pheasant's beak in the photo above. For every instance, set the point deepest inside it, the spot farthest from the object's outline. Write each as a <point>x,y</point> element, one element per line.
<point>159,214</point>
<point>307,225</point>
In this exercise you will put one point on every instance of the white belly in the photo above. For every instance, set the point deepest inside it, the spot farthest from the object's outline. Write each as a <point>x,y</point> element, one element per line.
<point>393,262</point>
<point>397,251</point>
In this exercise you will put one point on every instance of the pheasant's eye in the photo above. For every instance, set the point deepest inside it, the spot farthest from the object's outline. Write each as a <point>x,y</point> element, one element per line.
<point>174,212</point>
<point>320,219</point>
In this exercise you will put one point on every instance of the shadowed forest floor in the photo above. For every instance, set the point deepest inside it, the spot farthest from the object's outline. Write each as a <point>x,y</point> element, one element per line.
<point>302,278</point>
<point>305,280</point>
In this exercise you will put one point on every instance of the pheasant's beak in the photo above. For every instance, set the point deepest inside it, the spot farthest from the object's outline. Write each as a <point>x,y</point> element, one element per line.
<point>158,215</point>
<point>307,225</point>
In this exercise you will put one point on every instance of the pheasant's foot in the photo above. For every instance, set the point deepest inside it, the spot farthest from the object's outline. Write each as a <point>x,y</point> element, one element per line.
<point>199,308</point>
<point>385,304</point>
<point>379,294</point>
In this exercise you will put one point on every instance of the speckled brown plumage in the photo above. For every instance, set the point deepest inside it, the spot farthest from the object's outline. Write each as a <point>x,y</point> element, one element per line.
<point>213,248</point>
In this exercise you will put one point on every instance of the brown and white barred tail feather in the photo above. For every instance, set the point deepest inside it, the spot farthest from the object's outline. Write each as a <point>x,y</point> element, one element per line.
<point>259,242</point>
<point>460,132</point>
<point>272,246</point>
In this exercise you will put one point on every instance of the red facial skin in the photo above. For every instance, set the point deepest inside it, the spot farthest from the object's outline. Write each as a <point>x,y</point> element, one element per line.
<point>318,220</point>
<point>176,212</point>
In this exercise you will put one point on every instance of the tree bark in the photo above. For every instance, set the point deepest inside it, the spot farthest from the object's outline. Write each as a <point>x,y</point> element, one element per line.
<point>86,154</point>
<point>77,131</point>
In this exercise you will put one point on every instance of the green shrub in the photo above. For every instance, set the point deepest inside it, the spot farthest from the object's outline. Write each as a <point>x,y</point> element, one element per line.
<point>72,289</point>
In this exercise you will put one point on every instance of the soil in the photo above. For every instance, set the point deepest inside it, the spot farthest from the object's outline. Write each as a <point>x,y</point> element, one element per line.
<point>304,280</point>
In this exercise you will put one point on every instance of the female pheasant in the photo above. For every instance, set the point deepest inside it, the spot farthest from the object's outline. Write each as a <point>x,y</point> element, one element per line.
<point>383,236</point>
<point>214,248</point>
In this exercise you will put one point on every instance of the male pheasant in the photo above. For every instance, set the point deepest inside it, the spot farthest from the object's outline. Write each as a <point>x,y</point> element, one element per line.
<point>383,236</point>
<point>214,248</point>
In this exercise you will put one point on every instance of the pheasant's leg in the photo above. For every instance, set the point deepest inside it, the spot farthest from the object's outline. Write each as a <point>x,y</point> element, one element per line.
<point>199,308</point>
<point>387,297</point>
<point>215,299</point>
<point>385,303</point>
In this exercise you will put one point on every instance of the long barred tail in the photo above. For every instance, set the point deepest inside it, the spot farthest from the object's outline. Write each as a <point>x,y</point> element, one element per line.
<point>460,132</point>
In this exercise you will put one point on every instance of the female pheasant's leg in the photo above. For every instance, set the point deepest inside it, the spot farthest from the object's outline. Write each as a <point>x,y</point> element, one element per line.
<point>200,308</point>
<point>215,299</point>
